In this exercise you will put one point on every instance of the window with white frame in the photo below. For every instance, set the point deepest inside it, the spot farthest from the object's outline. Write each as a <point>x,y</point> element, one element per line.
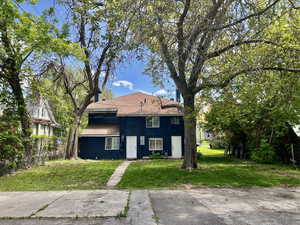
<point>155,144</point>
<point>175,120</point>
<point>112,143</point>
<point>152,122</point>
<point>142,140</point>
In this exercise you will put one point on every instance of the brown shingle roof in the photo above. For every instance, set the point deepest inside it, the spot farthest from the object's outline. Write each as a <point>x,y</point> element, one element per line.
<point>101,130</point>
<point>138,104</point>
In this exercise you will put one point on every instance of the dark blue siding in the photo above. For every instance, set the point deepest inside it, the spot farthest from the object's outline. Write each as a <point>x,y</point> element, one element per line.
<point>92,147</point>
<point>136,126</point>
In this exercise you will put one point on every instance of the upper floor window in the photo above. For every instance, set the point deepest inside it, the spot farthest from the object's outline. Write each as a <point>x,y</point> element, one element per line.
<point>152,122</point>
<point>175,120</point>
<point>112,143</point>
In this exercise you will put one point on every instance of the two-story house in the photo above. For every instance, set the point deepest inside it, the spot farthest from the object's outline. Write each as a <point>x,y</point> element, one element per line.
<point>133,126</point>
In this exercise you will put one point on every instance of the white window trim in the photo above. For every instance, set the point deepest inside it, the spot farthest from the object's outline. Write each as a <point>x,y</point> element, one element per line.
<point>142,140</point>
<point>156,149</point>
<point>113,146</point>
<point>152,125</point>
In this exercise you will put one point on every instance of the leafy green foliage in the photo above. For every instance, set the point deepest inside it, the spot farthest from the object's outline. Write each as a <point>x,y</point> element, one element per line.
<point>11,145</point>
<point>264,154</point>
<point>156,155</point>
<point>218,142</point>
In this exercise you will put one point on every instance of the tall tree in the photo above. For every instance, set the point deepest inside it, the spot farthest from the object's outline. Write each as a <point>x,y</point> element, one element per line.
<point>100,29</point>
<point>199,42</point>
<point>22,36</point>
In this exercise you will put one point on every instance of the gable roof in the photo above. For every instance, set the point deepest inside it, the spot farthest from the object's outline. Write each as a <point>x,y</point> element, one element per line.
<point>138,104</point>
<point>33,107</point>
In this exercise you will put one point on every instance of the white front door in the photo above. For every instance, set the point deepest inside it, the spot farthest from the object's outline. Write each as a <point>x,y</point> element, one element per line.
<point>131,147</point>
<point>176,147</point>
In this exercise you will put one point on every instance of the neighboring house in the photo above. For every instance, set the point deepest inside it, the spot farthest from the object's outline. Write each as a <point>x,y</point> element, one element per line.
<point>42,118</point>
<point>133,126</point>
<point>201,133</point>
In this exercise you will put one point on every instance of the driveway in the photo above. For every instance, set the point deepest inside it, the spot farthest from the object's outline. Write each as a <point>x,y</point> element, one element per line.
<point>205,206</point>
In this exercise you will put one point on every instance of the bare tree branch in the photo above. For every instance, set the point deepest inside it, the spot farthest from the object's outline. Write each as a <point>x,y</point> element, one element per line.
<point>180,38</point>
<point>224,83</point>
<point>261,12</point>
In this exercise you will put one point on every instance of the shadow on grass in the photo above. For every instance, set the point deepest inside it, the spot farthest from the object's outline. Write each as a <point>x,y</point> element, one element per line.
<point>68,175</point>
<point>213,171</point>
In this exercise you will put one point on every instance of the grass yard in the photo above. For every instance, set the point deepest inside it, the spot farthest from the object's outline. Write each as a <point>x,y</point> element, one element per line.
<point>207,151</point>
<point>61,175</point>
<point>214,170</point>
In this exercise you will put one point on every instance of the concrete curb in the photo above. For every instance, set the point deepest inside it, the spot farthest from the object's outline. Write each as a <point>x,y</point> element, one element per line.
<point>140,209</point>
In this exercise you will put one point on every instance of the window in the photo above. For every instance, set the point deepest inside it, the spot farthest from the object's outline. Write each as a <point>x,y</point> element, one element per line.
<point>152,122</point>
<point>142,140</point>
<point>112,143</point>
<point>155,144</point>
<point>175,120</point>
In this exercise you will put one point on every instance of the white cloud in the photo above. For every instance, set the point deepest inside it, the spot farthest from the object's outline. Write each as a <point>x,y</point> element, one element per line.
<point>145,92</point>
<point>123,83</point>
<point>102,74</point>
<point>160,92</point>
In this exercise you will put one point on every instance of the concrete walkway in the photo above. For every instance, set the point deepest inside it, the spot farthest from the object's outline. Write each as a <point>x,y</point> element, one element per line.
<point>117,175</point>
<point>205,206</point>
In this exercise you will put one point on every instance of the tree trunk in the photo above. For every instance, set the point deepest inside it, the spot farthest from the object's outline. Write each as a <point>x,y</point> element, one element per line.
<point>190,151</point>
<point>71,149</point>
<point>23,116</point>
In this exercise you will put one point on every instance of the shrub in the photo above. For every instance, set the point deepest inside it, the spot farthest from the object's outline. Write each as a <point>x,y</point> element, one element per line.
<point>264,154</point>
<point>11,146</point>
<point>199,155</point>
<point>156,155</point>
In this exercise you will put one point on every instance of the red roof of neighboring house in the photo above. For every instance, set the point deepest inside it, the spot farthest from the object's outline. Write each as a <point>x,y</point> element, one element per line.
<point>138,104</point>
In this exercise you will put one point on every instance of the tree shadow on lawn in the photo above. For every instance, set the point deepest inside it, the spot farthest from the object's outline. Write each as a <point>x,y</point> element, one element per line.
<point>213,171</point>
<point>60,176</point>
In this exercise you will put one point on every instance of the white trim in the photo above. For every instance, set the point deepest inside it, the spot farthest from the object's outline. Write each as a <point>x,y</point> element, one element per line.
<point>176,149</point>
<point>102,110</point>
<point>155,139</point>
<point>142,140</point>
<point>131,147</point>
<point>117,147</point>
<point>145,115</point>
<point>99,135</point>
<point>152,123</point>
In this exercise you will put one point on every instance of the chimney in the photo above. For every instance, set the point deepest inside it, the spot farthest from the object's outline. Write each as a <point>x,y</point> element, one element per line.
<point>178,96</point>
<point>97,96</point>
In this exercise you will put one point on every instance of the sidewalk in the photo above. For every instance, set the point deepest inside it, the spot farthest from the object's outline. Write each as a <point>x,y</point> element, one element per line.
<point>205,206</point>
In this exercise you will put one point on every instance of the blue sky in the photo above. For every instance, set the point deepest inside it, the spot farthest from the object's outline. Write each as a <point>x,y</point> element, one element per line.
<point>129,75</point>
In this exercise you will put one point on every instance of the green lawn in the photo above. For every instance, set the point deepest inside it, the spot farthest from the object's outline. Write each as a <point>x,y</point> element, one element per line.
<point>214,170</point>
<point>206,151</point>
<point>61,175</point>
